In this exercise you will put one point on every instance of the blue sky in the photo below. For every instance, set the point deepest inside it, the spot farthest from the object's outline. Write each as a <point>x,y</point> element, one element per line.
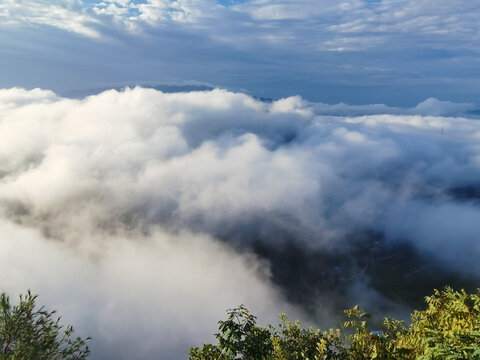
<point>397,52</point>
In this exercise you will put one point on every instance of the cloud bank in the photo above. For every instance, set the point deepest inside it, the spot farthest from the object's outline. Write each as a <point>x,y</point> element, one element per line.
<point>145,213</point>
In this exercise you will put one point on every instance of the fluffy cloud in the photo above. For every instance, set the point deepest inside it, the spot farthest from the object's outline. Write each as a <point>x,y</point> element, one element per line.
<point>139,212</point>
<point>137,296</point>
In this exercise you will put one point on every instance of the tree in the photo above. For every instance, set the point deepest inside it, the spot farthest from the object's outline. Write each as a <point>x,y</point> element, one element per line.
<point>239,337</point>
<point>449,328</point>
<point>30,333</point>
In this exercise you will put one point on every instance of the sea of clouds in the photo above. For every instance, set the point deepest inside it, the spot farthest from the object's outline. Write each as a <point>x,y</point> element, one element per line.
<point>139,215</point>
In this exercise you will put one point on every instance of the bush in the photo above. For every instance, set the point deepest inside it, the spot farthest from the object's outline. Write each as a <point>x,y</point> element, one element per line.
<point>449,328</point>
<point>28,333</point>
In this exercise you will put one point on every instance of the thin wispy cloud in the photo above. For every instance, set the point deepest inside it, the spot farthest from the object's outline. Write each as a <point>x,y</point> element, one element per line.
<point>319,49</point>
<point>65,15</point>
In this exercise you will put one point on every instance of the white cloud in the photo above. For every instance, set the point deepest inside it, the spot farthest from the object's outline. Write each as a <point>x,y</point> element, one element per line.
<point>351,25</point>
<point>66,15</point>
<point>111,206</point>
<point>137,297</point>
<point>365,50</point>
<point>134,15</point>
<point>294,10</point>
<point>360,25</point>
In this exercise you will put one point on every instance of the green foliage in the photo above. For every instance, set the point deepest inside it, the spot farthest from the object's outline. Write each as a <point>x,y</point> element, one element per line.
<point>295,342</point>
<point>449,328</point>
<point>28,333</point>
<point>207,352</point>
<point>239,338</point>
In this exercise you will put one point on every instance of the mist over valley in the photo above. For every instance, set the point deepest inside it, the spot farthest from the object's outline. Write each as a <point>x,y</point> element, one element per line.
<point>157,211</point>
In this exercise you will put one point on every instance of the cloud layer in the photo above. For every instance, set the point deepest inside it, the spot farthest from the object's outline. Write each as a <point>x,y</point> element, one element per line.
<point>354,24</point>
<point>395,52</point>
<point>140,212</point>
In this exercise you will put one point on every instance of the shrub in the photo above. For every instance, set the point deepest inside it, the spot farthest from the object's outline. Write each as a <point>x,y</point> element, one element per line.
<point>30,333</point>
<point>449,328</point>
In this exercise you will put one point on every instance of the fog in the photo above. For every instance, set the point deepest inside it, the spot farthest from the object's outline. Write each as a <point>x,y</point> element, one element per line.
<point>142,216</point>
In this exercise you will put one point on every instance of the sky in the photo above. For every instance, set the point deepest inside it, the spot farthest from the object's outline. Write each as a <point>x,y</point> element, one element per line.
<point>396,52</point>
